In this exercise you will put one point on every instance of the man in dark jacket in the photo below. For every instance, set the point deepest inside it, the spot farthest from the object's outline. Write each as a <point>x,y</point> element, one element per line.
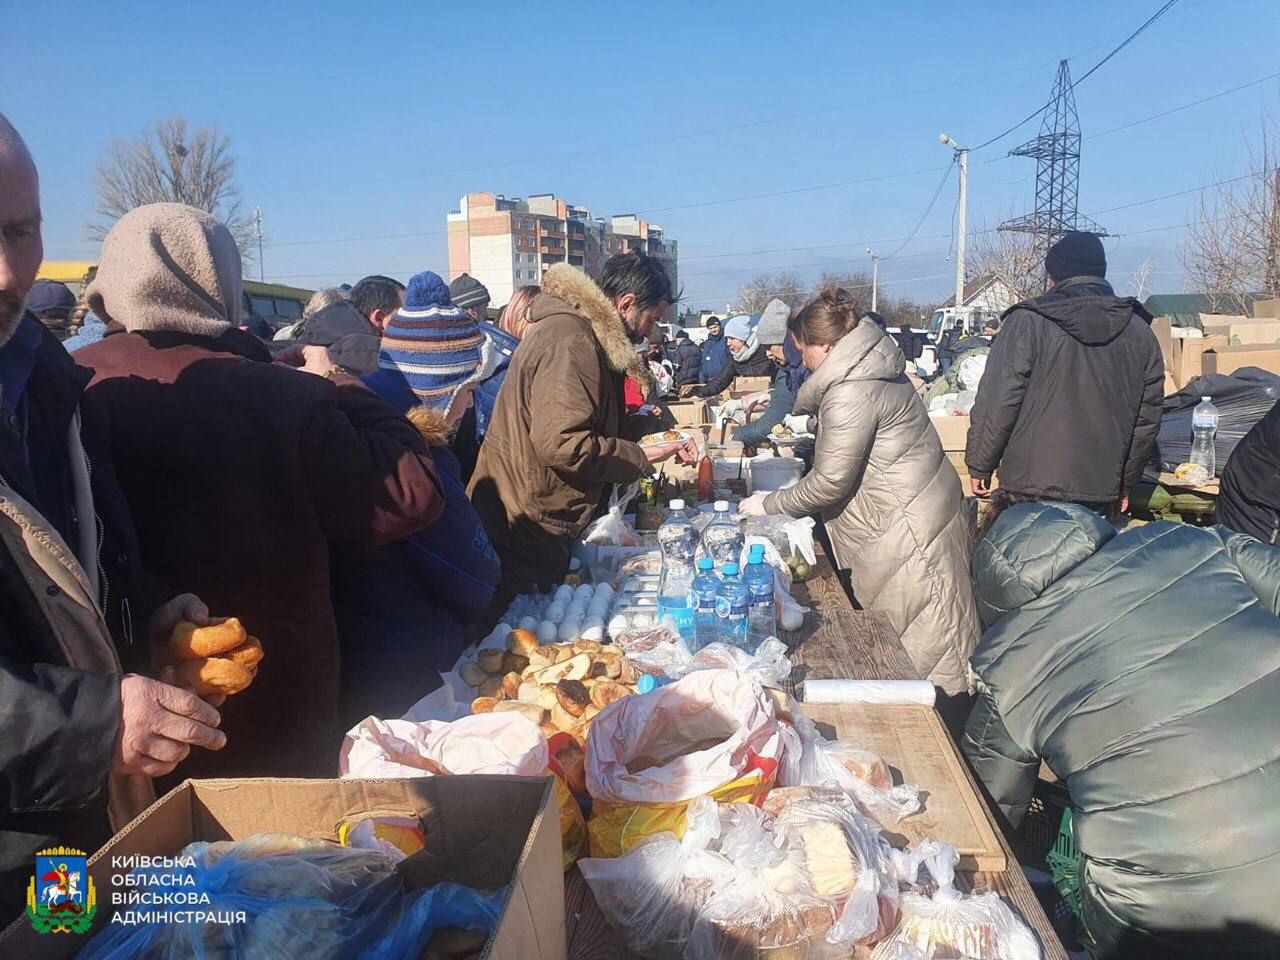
<point>78,741</point>
<point>715,351</point>
<point>1143,669</point>
<point>1250,498</point>
<point>1069,405</point>
<point>686,358</point>
<point>244,476</point>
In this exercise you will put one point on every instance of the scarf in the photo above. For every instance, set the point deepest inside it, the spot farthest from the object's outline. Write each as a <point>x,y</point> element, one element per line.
<point>748,350</point>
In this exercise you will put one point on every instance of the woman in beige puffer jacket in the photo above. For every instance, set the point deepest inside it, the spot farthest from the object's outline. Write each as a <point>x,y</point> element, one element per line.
<point>890,499</point>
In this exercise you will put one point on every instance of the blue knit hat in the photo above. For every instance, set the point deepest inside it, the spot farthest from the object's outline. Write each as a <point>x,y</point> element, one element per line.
<point>436,347</point>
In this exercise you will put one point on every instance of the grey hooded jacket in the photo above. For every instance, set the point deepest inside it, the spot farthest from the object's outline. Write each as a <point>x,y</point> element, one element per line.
<point>1144,668</point>
<point>890,500</point>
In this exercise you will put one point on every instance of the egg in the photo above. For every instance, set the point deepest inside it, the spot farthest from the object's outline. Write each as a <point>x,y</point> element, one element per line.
<point>603,590</point>
<point>593,631</point>
<point>598,608</point>
<point>563,592</point>
<point>583,591</point>
<point>569,631</point>
<point>546,631</point>
<point>619,625</point>
<point>555,611</point>
<point>576,611</point>
<point>642,621</point>
<point>501,631</point>
<point>528,623</point>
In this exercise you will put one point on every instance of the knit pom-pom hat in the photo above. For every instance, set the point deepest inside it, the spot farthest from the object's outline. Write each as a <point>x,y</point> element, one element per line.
<point>434,345</point>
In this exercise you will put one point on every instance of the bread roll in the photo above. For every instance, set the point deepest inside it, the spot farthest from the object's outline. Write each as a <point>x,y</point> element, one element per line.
<point>530,710</point>
<point>522,642</point>
<point>607,692</point>
<point>511,686</point>
<point>483,704</point>
<point>492,687</point>
<point>248,654</point>
<point>514,663</point>
<point>490,660</point>
<point>214,675</point>
<point>190,642</point>
<point>573,696</point>
<point>472,675</point>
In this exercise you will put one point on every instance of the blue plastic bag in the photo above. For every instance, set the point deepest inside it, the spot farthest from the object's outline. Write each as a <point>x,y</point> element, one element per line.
<point>299,899</point>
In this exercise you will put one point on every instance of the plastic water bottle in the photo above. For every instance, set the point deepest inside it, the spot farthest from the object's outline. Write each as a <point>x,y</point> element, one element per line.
<point>722,539</point>
<point>678,539</point>
<point>706,585</point>
<point>759,581</point>
<point>733,604</point>
<point>1204,424</point>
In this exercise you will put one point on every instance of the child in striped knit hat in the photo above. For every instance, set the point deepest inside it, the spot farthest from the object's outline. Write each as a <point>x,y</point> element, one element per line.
<point>432,358</point>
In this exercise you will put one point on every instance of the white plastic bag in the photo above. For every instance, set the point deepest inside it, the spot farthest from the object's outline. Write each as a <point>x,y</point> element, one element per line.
<point>612,529</point>
<point>970,370</point>
<point>653,895</point>
<point>843,764</point>
<point>507,744</point>
<point>950,923</point>
<point>672,658</point>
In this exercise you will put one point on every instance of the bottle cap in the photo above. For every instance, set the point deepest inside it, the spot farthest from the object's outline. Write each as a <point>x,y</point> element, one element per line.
<point>574,564</point>
<point>706,563</point>
<point>645,683</point>
<point>757,553</point>
<point>730,569</point>
<point>1204,400</point>
<point>675,505</point>
<point>722,506</point>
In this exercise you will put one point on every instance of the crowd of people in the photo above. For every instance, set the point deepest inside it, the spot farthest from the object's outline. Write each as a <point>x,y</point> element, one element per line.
<point>369,486</point>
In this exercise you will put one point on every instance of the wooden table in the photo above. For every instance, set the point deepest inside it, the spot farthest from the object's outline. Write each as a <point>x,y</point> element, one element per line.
<point>835,641</point>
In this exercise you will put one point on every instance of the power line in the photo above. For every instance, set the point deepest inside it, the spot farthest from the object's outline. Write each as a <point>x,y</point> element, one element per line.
<point>1087,74</point>
<point>1185,106</point>
<point>927,210</point>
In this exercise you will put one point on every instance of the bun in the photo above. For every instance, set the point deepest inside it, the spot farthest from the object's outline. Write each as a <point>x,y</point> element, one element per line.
<point>190,642</point>
<point>248,654</point>
<point>215,675</point>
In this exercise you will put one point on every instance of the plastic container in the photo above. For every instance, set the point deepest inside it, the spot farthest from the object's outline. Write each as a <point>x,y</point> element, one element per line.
<point>775,473</point>
<point>723,539</point>
<point>678,540</point>
<point>706,625</point>
<point>1204,425</point>
<point>761,617</point>
<point>733,605</point>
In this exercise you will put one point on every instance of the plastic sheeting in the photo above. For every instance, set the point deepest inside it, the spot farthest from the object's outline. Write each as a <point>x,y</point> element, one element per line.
<point>1242,399</point>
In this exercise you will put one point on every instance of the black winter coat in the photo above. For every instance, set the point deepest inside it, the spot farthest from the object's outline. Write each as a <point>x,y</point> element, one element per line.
<point>756,365</point>
<point>1069,405</point>
<point>1250,498</point>
<point>58,725</point>
<point>686,358</point>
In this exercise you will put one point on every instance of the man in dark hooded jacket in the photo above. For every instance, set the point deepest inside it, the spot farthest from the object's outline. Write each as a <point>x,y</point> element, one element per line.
<point>1250,499</point>
<point>1069,405</point>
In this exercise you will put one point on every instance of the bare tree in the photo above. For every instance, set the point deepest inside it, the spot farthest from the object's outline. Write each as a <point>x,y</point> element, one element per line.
<point>174,164</point>
<point>1140,282</point>
<point>1232,246</point>
<point>755,294</point>
<point>1011,256</point>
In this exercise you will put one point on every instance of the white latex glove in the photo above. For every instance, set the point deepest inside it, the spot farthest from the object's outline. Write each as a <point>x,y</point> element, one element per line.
<point>753,506</point>
<point>797,424</point>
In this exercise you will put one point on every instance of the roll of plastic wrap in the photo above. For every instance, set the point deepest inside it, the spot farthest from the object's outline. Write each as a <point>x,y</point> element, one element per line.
<point>869,691</point>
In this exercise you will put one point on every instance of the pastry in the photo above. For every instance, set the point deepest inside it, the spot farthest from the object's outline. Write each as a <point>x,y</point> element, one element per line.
<point>514,663</point>
<point>529,710</point>
<point>562,719</point>
<point>511,686</point>
<point>573,667</point>
<point>191,642</point>
<point>942,936</point>
<point>527,691</point>
<point>521,642</point>
<point>573,696</point>
<point>248,654</point>
<point>607,692</point>
<point>483,704</point>
<point>213,675</point>
<point>492,687</point>
<point>490,660</point>
<point>586,646</point>
<point>472,675</point>
<point>573,764</point>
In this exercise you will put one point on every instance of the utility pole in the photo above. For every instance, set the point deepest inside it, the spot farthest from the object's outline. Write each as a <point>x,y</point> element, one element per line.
<point>257,221</point>
<point>962,156</point>
<point>875,277</point>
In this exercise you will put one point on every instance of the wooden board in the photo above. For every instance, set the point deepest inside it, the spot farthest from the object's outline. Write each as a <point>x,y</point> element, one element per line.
<point>914,742</point>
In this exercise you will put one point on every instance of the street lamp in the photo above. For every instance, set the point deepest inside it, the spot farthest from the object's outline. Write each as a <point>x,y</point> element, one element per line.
<point>962,155</point>
<point>875,277</point>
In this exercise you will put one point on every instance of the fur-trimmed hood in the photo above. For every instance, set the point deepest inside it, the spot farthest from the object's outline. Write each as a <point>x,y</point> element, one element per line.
<point>580,292</point>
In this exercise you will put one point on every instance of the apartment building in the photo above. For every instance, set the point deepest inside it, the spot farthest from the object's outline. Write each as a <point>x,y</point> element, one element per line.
<point>508,243</point>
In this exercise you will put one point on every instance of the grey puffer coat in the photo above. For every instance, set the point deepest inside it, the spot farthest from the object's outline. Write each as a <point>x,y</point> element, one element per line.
<point>1144,668</point>
<point>891,502</point>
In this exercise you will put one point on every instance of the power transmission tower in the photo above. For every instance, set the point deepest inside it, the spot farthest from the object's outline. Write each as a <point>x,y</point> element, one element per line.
<point>1057,154</point>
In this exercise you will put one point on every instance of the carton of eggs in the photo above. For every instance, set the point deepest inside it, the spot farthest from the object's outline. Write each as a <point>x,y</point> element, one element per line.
<point>546,632</point>
<point>564,593</point>
<point>583,592</point>
<point>555,611</point>
<point>528,623</point>
<point>569,631</point>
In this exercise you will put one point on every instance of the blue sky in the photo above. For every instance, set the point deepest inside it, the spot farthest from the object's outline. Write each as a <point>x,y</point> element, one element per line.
<point>372,119</point>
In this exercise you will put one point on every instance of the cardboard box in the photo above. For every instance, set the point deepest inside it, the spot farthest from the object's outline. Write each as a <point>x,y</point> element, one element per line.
<point>1243,331</point>
<point>952,431</point>
<point>1162,327</point>
<point>1190,358</point>
<point>1230,359</point>
<point>481,831</point>
<point>743,386</point>
<point>1267,308</point>
<point>690,414</point>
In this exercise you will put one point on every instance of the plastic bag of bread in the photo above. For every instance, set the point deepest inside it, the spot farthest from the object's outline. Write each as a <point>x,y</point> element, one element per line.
<point>841,763</point>
<point>848,862</point>
<point>951,924</point>
<point>506,744</point>
<point>300,897</point>
<point>612,529</point>
<point>768,908</point>
<point>653,894</point>
<point>715,733</point>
